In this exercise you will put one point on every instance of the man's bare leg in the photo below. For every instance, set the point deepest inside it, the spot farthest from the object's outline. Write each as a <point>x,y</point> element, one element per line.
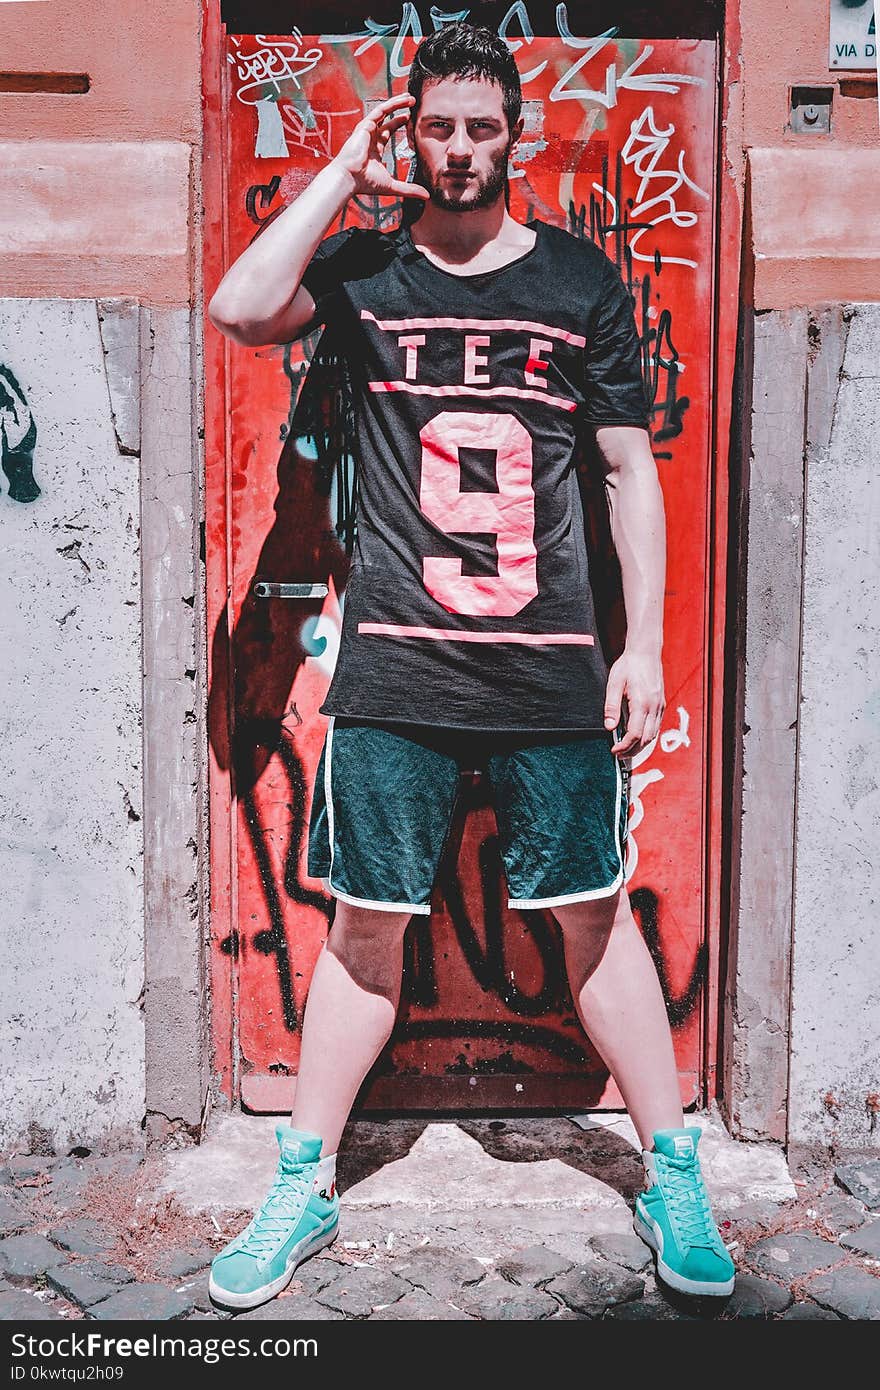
<point>349,1015</point>
<point>619,1001</point>
<point>350,1012</point>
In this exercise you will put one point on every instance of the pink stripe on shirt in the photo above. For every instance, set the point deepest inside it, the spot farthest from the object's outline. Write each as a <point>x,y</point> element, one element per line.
<point>452,634</point>
<point>518,392</point>
<point>478,325</point>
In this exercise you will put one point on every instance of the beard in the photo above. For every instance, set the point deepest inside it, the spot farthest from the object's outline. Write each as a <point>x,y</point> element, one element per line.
<point>488,187</point>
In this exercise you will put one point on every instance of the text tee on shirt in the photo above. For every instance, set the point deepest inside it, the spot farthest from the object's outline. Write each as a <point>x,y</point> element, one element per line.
<point>468,603</point>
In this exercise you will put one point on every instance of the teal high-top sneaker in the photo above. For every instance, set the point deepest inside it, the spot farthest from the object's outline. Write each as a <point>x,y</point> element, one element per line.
<point>293,1222</point>
<point>673,1217</point>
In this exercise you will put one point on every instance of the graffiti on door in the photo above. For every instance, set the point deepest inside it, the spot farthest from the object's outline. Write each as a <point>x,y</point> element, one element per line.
<point>618,148</point>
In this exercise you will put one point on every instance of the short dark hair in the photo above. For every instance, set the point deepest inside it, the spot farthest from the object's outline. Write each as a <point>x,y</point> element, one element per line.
<point>467,50</point>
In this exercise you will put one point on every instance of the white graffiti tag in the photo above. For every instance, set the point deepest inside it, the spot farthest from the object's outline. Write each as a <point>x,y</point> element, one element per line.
<point>275,64</point>
<point>631,79</point>
<point>409,26</point>
<point>655,201</point>
<point>645,147</point>
<point>669,741</point>
<point>313,130</point>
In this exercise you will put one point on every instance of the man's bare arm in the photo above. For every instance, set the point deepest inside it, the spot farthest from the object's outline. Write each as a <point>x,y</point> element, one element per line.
<point>260,298</point>
<point>638,528</point>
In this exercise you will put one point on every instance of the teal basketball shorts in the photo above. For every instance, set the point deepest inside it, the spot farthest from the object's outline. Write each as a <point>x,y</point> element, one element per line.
<point>384,796</point>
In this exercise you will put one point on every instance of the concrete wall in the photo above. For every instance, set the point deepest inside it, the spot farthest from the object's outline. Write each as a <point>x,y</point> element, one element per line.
<point>174,694</point>
<point>765,600</point>
<point>834,1097</point>
<point>800,1052</point>
<point>71,801</point>
<point>804,973</point>
<point>102,864</point>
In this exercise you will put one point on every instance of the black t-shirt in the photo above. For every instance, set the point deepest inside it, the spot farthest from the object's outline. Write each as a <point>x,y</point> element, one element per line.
<point>468,603</point>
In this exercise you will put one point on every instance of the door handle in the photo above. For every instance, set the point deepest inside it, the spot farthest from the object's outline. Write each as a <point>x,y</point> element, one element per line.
<point>263,589</point>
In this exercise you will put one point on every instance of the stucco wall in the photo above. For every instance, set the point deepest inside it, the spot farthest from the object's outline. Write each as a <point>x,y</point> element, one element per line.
<point>814,214</point>
<point>71,810</point>
<point>785,44</point>
<point>803,991</point>
<point>813,199</point>
<point>142,62</point>
<point>95,187</point>
<point>835,1040</point>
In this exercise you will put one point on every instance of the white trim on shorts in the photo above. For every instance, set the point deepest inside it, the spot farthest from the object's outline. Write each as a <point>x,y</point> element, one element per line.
<point>593,892</point>
<point>424,908</point>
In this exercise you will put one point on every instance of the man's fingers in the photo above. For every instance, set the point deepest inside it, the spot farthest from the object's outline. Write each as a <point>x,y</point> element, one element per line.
<point>652,728</point>
<point>613,697</point>
<point>625,742</point>
<point>385,132</point>
<point>409,190</point>
<point>399,98</point>
<point>638,717</point>
<point>650,732</point>
<point>634,730</point>
<point>383,118</point>
<point>392,123</point>
<point>399,104</point>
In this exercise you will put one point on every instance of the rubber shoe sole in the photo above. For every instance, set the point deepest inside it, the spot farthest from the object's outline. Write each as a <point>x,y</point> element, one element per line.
<point>651,1234</point>
<point>309,1245</point>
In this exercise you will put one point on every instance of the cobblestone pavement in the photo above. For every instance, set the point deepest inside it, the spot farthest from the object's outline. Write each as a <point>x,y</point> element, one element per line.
<point>86,1236</point>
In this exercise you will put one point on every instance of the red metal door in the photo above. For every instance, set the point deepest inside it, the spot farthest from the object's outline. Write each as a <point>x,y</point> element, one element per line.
<point>619,146</point>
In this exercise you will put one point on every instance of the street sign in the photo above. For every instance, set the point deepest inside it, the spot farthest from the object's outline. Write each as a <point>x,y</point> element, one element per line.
<point>852,43</point>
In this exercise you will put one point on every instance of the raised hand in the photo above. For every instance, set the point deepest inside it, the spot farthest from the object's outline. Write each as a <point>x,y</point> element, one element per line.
<point>362,154</point>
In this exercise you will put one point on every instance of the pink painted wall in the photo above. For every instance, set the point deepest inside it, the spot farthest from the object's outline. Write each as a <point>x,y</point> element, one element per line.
<point>815,220</point>
<point>785,44</point>
<point>815,199</point>
<point>143,60</point>
<point>96,187</point>
<point>76,225</point>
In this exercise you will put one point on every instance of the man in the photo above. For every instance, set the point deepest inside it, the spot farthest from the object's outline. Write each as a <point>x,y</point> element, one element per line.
<point>476,347</point>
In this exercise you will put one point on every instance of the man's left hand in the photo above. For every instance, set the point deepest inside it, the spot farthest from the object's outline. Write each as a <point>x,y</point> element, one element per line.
<point>639,677</point>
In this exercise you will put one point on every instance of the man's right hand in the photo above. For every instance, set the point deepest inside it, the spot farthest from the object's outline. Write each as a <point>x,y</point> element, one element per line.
<point>261,298</point>
<point>362,154</point>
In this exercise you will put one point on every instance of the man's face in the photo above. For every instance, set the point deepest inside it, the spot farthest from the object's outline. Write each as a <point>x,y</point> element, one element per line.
<point>462,142</point>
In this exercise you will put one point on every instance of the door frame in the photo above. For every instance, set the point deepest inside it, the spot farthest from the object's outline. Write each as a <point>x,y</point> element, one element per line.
<point>722,717</point>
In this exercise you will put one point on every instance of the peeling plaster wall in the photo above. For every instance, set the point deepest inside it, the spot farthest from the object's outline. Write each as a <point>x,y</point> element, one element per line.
<point>803,989</point>
<point>71,814</point>
<point>835,1038</point>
